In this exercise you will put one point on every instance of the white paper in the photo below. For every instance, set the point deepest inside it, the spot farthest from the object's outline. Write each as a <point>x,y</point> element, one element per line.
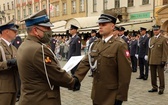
<point>72,62</point>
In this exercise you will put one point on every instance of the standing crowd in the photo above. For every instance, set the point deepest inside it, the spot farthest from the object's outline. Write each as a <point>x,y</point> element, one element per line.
<point>110,60</point>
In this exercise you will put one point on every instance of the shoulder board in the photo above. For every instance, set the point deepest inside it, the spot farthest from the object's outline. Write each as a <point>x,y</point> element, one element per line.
<point>120,40</point>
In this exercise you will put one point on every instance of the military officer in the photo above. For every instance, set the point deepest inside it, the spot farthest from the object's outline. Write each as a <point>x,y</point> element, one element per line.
<point>142,54</point>
<point>8,64</point>
<point>40,72</point>
<point>121,34</point>
<point>74,45</point>
<point>133,48</point>
<point>116,31</point>
<point>110,60</point>
<point>158,54</point>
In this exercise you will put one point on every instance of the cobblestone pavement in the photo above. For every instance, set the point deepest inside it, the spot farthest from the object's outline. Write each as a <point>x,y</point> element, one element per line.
<point>138,93</point>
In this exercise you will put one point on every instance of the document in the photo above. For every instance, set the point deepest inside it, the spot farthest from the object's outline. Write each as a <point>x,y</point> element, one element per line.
<point>72,62</point>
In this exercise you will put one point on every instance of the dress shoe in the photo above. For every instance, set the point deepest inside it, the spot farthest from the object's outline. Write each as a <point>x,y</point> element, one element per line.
<point>153,90</point>
<point>160,92</point>
<point>139,78</point>
<point>145,78</point>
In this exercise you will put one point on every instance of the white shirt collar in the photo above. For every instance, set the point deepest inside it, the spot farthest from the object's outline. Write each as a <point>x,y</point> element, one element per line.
<point>121,36</point>
<point>157,35</point>
<point>8,43</point>
<point>108,38</point>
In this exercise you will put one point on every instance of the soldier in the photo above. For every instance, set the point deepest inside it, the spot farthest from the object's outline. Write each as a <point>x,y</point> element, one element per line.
<point>40,72</point>
<point>158,54</point>
<point>133,48</point>
<point>121,34</point>
<point>116,31</point>
<point>8,64</point>
<point>93,37</point>
<point>74,45</point>
<point>110,61</point>
<point>52,44</point>
<point>142,54</point>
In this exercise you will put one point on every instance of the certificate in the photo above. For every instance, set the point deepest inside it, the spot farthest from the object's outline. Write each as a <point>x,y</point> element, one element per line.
<point>72,62</point>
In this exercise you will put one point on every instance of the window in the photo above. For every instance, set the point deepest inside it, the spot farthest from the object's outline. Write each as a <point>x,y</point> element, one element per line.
<point>44,6</point>
<point>4,7</point>
<point>13,16</point>
<point>37,8</point>
<point>30,10</point>
<point>94,5</point>
<point>18,1</point>
<point>165,2</point>
<point>117,3</point>
<point>8,6</point>
<point>12,5</point>
<point>105,2</point>
<point>18,14</point>
<point>73,6</point>
<point>144,2</point>
<point>130,3</point>
<point>8,17</point>
<point>24,13</point>
<point>57,9</point>
<point>82,8</point>
<point>64,8</point>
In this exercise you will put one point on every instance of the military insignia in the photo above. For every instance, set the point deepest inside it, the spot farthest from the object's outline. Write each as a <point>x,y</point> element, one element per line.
<point>17,42</point>
<point>79,41</point>
<point>48,60</point>
<point>158,45</point>
<point>127,53</point>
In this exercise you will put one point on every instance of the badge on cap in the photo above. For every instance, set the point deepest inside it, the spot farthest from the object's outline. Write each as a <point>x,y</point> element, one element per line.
<point>48,60</point>
<point>127,53</point>
<point>17,42</point>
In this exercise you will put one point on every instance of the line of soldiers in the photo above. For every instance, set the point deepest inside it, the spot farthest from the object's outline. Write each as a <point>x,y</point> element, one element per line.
<point>41,74</point>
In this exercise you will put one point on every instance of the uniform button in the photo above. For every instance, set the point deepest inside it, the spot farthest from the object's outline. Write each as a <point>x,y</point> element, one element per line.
<point>98,63</point>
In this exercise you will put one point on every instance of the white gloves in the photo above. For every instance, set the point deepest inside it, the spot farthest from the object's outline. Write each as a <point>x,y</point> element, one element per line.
<point>136,55</point>
<point>146,57</point>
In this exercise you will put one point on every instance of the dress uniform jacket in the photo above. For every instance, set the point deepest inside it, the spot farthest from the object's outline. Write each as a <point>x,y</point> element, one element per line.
<point>74,47</point>
<point>112,76</point>
<point>133,47</point>
<point>52,44</point>
<point>143,46</point>
<point>8,76</point>
<point>159,52</point>
<point>35,89</point>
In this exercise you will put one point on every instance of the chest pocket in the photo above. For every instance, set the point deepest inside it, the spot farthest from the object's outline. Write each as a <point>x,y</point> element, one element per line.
<point>109,59</point>
<point>159,45</point>
<point>8,56</point>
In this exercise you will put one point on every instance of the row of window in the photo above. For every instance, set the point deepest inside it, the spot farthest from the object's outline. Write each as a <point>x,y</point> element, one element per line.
<point>7,6</point>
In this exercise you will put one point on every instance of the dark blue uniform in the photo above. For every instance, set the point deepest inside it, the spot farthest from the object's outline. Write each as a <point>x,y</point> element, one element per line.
<point>74,49</point>
<point>17,41</point>
<point>126,40</point>
<point>133,48</point>
<point>52,44</point>
<point>92,39</point>
<point>142,51</point>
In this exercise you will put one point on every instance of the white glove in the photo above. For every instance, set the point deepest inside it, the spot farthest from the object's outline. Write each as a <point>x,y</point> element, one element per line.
<point>136,55</point>
<point>146,57</point>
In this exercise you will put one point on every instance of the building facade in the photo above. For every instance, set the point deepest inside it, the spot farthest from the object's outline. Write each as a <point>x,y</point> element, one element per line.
<point>7,12</point>
<point>161,14</point>
<point>24,8</point>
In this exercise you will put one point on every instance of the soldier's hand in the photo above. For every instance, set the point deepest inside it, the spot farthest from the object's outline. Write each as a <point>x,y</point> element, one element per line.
<point>77,84</point>
<point>11,62</point>
<point>163,64</point>
<point>118,102</point>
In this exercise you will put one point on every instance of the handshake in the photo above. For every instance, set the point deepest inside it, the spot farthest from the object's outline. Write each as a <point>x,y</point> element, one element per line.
<point>77,84</point>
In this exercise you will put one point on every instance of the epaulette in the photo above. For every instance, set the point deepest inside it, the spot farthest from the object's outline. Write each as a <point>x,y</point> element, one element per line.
<point>120,40</point>
<point>97,40</point>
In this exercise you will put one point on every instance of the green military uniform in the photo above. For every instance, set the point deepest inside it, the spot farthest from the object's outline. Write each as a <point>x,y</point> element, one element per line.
<point>158,52</point>
<point>40,72</point>
<point>112,75</point>
<point>8,74</point>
